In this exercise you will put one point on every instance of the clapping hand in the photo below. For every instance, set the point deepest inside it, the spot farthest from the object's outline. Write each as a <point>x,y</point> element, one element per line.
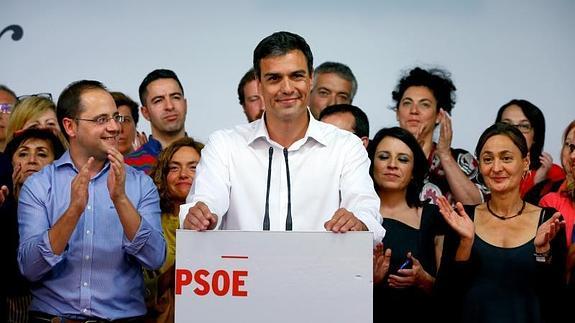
<point>547,231</point>
<point>458,220</point>
<point>381,262</point>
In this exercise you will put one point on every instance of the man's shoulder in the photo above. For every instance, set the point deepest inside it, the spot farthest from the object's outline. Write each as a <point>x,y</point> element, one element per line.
<point>236,134</point>
<point>136,173</point>
<point>331,135</point>
<point>137,178</point>
<point>40,182</point>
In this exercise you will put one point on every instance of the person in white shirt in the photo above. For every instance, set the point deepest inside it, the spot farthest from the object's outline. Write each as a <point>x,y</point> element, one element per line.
<point>285,171</point>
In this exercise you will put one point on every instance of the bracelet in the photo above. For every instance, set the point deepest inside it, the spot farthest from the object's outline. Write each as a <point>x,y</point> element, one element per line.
<point>543,257</point>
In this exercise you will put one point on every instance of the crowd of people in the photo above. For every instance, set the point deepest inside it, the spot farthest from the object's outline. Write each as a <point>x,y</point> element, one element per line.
<point>90,206</point>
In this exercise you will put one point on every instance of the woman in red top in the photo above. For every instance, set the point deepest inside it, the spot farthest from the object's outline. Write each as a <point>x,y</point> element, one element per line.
<point>564,200</point>
<point>542,173</point>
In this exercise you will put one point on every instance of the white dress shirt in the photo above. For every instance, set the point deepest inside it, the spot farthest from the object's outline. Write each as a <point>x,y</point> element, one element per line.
<point>328,169</point>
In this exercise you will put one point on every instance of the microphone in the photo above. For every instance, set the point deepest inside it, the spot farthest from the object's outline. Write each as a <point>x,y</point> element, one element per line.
<point>288,218</point>
<point>266,224</point>
<point>267,211</point>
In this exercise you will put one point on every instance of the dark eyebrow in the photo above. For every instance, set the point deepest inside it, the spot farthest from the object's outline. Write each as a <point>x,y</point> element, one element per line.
<point>156,97</point>
<point>271,74</point>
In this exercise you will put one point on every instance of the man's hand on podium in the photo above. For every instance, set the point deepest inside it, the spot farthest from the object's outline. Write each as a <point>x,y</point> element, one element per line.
<point>200,218</point>
<point>343,221</point>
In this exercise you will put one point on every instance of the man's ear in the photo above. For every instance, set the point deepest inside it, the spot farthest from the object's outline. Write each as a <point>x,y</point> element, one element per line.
<point>365,141</point>
<point>69,127</point>
<point>145,112</point>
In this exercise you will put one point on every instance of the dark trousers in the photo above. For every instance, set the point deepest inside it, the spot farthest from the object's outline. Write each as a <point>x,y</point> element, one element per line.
<point>40,317</point>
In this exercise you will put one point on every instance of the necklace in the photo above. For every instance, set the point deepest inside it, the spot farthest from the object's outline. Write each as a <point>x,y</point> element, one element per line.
<point>505,217</point>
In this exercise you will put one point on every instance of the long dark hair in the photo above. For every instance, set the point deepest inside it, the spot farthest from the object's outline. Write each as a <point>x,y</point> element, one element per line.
<point>420,164</point>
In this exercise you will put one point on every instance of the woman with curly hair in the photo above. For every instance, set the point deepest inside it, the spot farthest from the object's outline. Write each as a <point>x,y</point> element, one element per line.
<point>173,175</point>
<point>424,99</point>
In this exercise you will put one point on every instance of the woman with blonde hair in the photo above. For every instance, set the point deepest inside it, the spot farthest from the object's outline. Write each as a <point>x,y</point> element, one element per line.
<point>37,111</point>
<point>31,111</point>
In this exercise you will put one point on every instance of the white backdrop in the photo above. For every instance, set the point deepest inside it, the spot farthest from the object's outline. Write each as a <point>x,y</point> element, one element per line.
<point>496,51</point>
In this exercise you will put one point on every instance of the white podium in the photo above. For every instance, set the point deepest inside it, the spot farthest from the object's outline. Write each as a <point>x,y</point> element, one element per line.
<point>239,276</point>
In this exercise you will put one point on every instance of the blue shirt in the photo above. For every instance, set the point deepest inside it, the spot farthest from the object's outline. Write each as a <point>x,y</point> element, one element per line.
<point>100,272</point>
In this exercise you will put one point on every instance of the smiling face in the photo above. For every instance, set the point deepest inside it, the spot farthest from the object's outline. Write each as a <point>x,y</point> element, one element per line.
<point>181,172</point>
<point>393,165</point>
<point>89,138</point>
<point>165,106</point>
<point>418,111</point>
<point>285,85</point>
<point>31,156</point>
<point>501,164</point>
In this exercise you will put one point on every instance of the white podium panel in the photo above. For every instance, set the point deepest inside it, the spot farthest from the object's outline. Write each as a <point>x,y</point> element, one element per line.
<point>233,276</point>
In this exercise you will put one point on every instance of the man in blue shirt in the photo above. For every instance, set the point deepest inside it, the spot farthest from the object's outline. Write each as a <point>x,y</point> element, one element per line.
<point>88,222</point>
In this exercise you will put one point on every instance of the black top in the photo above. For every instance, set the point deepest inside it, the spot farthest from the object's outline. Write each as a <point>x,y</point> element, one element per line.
<point>408,304</point>
<point>502,284</point>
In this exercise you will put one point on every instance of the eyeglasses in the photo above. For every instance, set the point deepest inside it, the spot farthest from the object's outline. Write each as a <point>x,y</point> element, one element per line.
<point>37,95</point>
<point>6,108</point>
<point>569,146</point>
<point>104,119</point>
<point>524,127</point>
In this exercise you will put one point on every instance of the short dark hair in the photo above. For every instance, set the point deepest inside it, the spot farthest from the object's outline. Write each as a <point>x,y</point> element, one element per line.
<point>420,163</point>
<point>69,101</point>
<point>500,128</point>
<point>278,44</point>
<point>340,70</point>
<point>58,147</point>
<point>122,99</point>
<point>156,75</point>
<point>9,91</point>
<point>537,121</point>
<point>361,127</point>
<point>438,81</point>
<point>248,77</point>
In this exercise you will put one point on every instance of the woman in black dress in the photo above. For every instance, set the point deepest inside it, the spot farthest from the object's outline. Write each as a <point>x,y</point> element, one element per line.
<point>405,264</point>
<point>507,261</point>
